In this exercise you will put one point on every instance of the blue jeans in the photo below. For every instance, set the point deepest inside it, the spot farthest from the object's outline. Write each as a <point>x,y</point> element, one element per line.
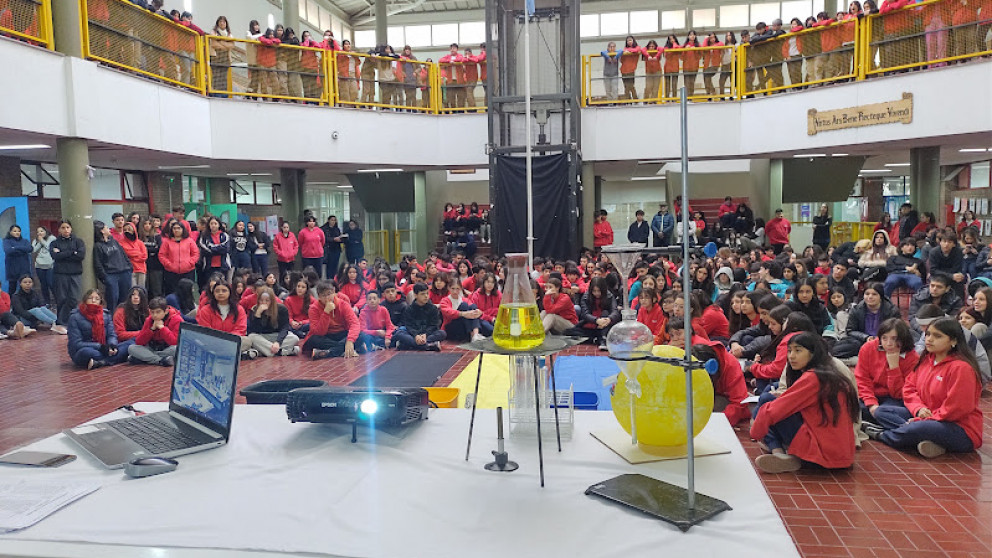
<point>335,343</point>
<point>331,261</point>
<point>241,259</point>
<point>781,434</point>
<point>460,329</point>
<point>260,263</point>
<point>902,434</point>
<point>83,356</point>
<point>46,281</point>
<point>486,327</point>
<point>116,285</point>
<point>764,396</point>
<point>896,280</point>
<point>43,315</point>
<point>890,402</point>
<point>406,341</point>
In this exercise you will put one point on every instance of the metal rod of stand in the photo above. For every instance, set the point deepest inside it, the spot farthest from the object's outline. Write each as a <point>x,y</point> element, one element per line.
<point>554,395</point>
<point>537,409</point>
<point>690,446</point>
<point>527,134</point>
<point>475,400</point>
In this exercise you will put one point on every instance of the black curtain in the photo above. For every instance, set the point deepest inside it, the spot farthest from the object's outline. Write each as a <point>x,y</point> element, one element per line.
<point>553,205</point>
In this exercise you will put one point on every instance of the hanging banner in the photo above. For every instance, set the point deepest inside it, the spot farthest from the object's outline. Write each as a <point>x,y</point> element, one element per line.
<point>890,112</point>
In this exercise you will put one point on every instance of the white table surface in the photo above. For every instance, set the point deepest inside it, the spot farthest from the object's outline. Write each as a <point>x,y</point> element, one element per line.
<point>279,487</point>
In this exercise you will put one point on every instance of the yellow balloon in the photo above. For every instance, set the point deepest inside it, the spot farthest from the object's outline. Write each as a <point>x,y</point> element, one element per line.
<point>661,409</point>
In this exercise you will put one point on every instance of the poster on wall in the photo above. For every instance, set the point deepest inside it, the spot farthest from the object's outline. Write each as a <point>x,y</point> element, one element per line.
<point>13,211</point>
<point>271,224</point>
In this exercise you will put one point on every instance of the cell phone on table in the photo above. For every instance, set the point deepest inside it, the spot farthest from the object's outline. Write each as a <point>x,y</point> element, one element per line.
<point>37,459</point>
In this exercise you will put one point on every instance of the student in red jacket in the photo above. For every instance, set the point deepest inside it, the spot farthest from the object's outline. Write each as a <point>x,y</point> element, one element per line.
<point>813,421</point>
<point>334,328</point>
<point>712,319</point>
<point>602,231</point>
<point>223,313</point>
<point>376,324</point>
<point>311,242</point>
<point>941,397</point>
<point>131,314</point>
<point>286,247</point>
<point>136,253</point>
<point>768,365</point>
<point>460,318</point>
<point>156,342</point>
<point>650,313</point>
<point>298,303</point>
<point>629,58</point>
<point>883,365</point>
<point>351,286</point>
<point>559,314</point>
<point>439,288</point>
<point>487,298</point>
<point>178,255</point>
<point>777,231</point>
<point>729,389</point>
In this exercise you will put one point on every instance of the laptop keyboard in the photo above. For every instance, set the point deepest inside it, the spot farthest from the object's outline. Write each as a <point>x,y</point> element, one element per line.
<point>154,436</point>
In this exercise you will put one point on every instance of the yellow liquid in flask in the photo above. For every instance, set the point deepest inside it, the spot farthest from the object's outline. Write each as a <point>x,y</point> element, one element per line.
<point>518,327</point>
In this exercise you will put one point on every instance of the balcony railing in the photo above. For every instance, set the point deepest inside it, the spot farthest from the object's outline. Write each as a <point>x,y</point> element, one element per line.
<point>27,20</point>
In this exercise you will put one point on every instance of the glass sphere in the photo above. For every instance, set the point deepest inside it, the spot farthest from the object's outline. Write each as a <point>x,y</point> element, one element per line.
<point>629,338</point>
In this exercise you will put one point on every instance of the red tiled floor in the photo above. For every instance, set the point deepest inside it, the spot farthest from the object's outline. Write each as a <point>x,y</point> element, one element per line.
<point>889,504</point>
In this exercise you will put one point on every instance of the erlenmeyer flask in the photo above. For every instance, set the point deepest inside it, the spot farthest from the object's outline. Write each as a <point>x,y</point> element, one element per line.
<point>518,324</point>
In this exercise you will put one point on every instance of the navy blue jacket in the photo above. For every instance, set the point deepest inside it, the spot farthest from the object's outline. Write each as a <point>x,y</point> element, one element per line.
<point>18,256</point>
<point>81,332</point>
<point>663,225</point>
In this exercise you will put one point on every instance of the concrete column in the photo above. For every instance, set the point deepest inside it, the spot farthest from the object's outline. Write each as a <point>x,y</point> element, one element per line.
<point>776,177</point>
<point>291,17</point>
<point>421,244</point>
<point>73,158</point>
<point>589,206</point>
<point>68,37</point>
<point>380,23</point>
<point>294,185</point>
<point>924,179</point>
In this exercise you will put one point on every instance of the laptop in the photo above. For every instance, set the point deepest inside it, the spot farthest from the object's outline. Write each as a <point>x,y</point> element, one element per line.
<point>204,380</point>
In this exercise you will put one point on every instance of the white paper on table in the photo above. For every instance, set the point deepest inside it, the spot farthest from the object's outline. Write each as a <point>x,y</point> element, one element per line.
<point>24,503</point>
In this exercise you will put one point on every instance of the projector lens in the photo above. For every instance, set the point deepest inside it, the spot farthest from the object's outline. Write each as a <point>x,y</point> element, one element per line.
<point>369,407</point>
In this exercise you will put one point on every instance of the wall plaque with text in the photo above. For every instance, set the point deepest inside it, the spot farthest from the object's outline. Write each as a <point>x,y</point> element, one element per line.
<point>890,112</point>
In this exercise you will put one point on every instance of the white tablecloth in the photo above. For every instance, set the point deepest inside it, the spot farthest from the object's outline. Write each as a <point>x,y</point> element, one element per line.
<point>283,487</point>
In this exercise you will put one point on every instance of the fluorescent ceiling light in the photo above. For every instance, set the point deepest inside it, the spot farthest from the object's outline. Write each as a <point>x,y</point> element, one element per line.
<point>24,147</point>
<point>178,167</point>
<point>897,164</point>
<point>805,155</point>
<point>323,183</point>
<point>648,177</point>
<point>839,155</point>
<point>379,170</point>
<point>973,150</point>
<point>875,170</point>
<point>249,174</point>
<point>345,187</point>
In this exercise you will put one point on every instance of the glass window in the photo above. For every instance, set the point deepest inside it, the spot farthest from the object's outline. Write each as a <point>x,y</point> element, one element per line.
<point>765,12</point>
<point>29,174</point>
<point>673,19</point>
<point>613,23</point>
<point>244,193</point>
<point>589,25</point>
<point>134,186</point>
<point>325,20</point>
<point>704,18</point>
<point>313,13</point>
<point>980,175</point>
<point>644,21</point>
<point>394,36</point>
<point>418,35</point>
<point>263,193</point>
<point>444,34</point>
<point>894,186</point>
<point>303,9</point>
<point>733,16</point>
<point>106,184</point>
<point>801,9</point>
<point>471,34</point>
<point>364,39</point>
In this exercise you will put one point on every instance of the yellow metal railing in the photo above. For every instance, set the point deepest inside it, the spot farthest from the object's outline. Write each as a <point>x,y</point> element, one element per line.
<point>706,72</point>
<point>383,82</point>
<point>850,231</point>
<point>402,243</point>
<point>244,68</point>
<point>376,244</point>
<point>119,33</point>
<point>462,88</point>
<point>929,34</point>
<point>27,20</point>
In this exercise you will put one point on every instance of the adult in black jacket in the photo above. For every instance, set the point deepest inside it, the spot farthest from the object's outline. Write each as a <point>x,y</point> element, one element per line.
<point>240,254</point>
<point>908,219</point>
<point>111,264</point>
<point>421,330</point>
<point>864,319</point>
<point>805,301</point>
<point>29,306</point>
<point>821,227</point>
<point>598,313</point>
<point>948,259</point>
<point>153,243</point>
<point>639,230</point>
<point>68,251</point>
<point>332,246</point>
<point>939,292</point>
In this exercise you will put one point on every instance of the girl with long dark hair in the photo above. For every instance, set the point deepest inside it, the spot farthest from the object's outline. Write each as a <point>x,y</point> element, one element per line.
<point>130,315</point>
<point>769,363</point>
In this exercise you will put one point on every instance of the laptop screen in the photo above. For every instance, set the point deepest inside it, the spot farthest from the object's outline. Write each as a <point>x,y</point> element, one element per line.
<point>205,375</point>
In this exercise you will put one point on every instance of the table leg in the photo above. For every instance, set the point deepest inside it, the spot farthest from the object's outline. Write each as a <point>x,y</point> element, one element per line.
<point>537,409</point>
<point>554,395</point>
<point>475,403</point>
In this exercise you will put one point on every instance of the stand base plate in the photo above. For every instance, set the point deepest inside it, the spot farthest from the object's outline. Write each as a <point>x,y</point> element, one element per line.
<point>619,441</point>
<point>658,499</point>
<point>509,467</point>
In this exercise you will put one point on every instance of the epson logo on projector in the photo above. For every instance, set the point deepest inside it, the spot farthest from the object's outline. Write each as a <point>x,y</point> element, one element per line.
<point>328,404</point>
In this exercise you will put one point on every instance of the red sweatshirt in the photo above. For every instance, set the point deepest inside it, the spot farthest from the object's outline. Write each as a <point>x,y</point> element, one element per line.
<point>773,370</point>
<point>355,293</point>
<point>311,242</point>
<point>179,257</point>
<point>168,335</point>
<point>655,319</point>
<point>822,442</point>
<point>561,304</point>
<point>120,326</point>
<point>730,384</point>
<point>602,234</point>
<point>488,304</point>
<point>294,303</point>
<point>207,317</point>
<point>373,321</point>
<point>876,379</point>
<point>4,302</point>
<point>950,390</point>
<point>342,318</point>
<point>286,247</point>
<point>715,322</point>
<point>136,252</point>
<point>448,310</point>
<point>777,230</point>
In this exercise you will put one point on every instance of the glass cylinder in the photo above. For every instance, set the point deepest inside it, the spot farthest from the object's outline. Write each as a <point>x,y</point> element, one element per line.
<point>518,324</point>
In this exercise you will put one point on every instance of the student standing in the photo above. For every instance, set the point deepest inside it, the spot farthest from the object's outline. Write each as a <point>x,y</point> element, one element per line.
<point>178,255</point>
<point>215,248</point>
<point>17,256</point>
<point>240,256</point>
<point>777,230</point>
<point>153,243</point>
<point>68,253</point>
<point>653,56</point>
<point>258,243</point>
<point>111,264</point>
<point>354,247</point>
<point>311,241</point>
<point>602,231</point>
<point>286,247</point>
<point>43,264</point>
<point>629,58</point>
<point>823,221</point>
<point>136,253</point>
<point>611,70</point>
<point>639,230</point>
<point>332,247</point>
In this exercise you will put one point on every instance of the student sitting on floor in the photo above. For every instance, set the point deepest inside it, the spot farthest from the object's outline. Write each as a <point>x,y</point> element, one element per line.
<point>784,325</point>
<point>813,421</point>
<point>393,301</point>
<point>131,313</point>
<point>268,326</point>
<point>598,313</point>
<point>421,329</point>
<point>883,364</point>
<point>461,318</point>
<point>92,339</point>
<point>729,388</point>
<point>559,312</point>
<point>487,298</point>
<point>649,313</point>
<point>941,398</point>
<point>376,325</point>
<point>298,305</point>
<point>156,342</point>
<point>222,312</point>
<point>334,327</point>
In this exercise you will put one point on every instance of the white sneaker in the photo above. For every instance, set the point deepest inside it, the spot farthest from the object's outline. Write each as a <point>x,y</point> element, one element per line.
<point>29,330</point>
<point>778,463</point>
<point>478,337</point>
<point>61,330</point>
<point>2,336</point>
<point>930,449</point>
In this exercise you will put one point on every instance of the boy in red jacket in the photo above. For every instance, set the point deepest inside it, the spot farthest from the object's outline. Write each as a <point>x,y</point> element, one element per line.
<point>777,231</point>
<point>559,310</point>
<point>156,342</point>
<point>376,324</point>
<point>334,327</point>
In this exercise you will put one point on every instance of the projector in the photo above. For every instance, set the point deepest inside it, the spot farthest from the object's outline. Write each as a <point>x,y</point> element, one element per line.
<point>386,406</point>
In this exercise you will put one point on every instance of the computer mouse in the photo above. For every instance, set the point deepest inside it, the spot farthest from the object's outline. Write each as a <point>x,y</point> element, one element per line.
<point>148,466</point>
